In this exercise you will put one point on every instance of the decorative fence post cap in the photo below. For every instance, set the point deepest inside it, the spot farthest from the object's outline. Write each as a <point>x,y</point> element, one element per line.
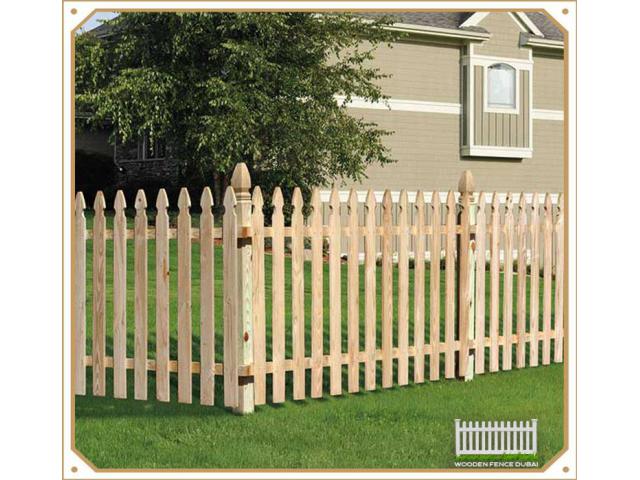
<point>241,180</point>
<point>466,183</point>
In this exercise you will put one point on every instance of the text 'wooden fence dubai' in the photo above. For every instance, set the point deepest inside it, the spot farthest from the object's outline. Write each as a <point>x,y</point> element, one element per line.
<point>270,302</point>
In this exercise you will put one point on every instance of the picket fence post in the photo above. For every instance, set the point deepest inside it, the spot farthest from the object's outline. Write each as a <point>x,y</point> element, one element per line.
<point>243,321</point>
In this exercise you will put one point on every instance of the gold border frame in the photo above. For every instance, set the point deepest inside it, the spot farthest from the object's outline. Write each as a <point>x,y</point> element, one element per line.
<point>566,123</point>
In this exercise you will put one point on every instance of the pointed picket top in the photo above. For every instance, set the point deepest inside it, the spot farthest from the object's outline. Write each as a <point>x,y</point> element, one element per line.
<point>162,202</point>
<point>184,201</point>
<point>403,200</point>
<point>296,200</point>
<point>119,204</point>
<point>451,200</point>
<point>508,204</point>
<point>241,179</point>
<point>334,199</point>
<point>315,200</point>
<point>315,217</point>
<point>141,200</point>
<point>386,200</point>
<point>80,204</point>
<point>206,199</point>
<point>548,207</point>
<point>370,202</point>
<point>466,183</point>
<point>435,199</point>
<point>99,204</point>
<point>534,205</point>
<point>419,201</point>
<point>495,203</point>
<point>353,202</point>
<point>522,204</point>
<point>277,201</point>
<point>560,204</point>
<point>257,200</point>
<point>229,200</point>
<point>481,202</point>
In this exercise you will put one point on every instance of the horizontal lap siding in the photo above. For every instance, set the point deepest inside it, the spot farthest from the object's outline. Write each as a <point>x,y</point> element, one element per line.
<point>505,37</point>
<point>548,83</point>
<point>427,152</point>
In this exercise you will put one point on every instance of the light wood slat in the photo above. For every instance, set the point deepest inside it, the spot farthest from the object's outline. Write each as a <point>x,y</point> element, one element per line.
<point>162,297</point>
<point>335,313</point>
<point>230,297</point>
<point>481,259</point>
<point>494,268</point>
<point>464,289</point>
<point>140,297</point>
<point>259,325</point>
<point>507,310</point>
<point>418,285</point>
<point>370,292</point>
<point>207,315</point>
<point>353,325</point>
<point>521,319</point>
<point>449,266</point>
<point>403,290</point>
<point>119,297</point>
<point>434,289</point>
<point>277,306</point>
<point>387,292</point>
<point>80,296</point>
<point>559,303</point>
<point>547,279</point>
<point>317,294</point>
<point>297,294</point>
<point>534,309</point>
<point>99,295</point>
<point>184,298</point>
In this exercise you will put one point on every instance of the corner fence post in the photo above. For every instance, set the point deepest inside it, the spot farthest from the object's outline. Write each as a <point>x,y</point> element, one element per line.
<point>466,275</point>
<point>241,183</point>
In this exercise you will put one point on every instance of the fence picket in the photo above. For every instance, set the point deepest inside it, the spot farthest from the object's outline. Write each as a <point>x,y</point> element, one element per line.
<point>434,289</point>
<point>494,268</point>
<point>403,291</point>
<point>370,292</point>
<point>207,315</point>
<point>277,287</point>
<point>507,311</point>
<point>449,266</point>
<point>335,300</point>
<point>162,297</point>
<point>418,292</point>
<point>99,296</point>
<point>259,323</point>
<point>559,303</point>
<point>480,287</point>
<point>353,332</point>
<point>119,297</point>
<point>141,297</point>
<point>317,289</point>
<point>297,294</point>
<point>184,297</point>
<point>464,292</point>
<point>534,311</point>
<point>229,279</point>
<point>387,292</point>
<point>521,322</point>
<point>80,296</point>
<point>547,279</point>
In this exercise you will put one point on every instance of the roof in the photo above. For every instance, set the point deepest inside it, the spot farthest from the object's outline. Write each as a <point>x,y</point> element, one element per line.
<point>449,20</point>
<point>454,20</point>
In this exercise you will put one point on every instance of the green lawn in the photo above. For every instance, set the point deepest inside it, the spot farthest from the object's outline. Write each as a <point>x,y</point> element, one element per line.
<point>408,427</point>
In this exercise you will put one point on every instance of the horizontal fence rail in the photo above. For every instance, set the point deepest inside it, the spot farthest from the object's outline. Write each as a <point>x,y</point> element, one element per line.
<point>496,438</point>
<point>336,296</point>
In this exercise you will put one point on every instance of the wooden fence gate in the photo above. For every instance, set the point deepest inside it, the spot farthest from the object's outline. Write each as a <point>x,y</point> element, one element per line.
<point>454,313</point>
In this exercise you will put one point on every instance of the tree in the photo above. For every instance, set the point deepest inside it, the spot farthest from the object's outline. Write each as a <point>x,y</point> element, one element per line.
<point>221,88</point>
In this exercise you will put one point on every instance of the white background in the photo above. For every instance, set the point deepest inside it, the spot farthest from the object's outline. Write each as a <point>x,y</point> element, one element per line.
<point>608,199</point>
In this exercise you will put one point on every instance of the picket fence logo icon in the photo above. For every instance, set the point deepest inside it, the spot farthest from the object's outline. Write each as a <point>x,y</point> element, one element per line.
<point>496,438</point>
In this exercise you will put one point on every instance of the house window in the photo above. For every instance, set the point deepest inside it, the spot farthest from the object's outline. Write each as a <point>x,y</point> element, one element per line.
<point>501,86</point>
<point>143,148</point>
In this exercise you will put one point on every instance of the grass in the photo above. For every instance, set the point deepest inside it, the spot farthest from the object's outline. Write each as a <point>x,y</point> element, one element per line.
<point>408,427</point>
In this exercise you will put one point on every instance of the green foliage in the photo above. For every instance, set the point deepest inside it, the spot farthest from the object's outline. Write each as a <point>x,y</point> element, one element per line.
<point>228,87</point>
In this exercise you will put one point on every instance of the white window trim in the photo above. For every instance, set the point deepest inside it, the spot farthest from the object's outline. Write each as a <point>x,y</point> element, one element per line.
<point>485,92</point>
<point>492,151</point>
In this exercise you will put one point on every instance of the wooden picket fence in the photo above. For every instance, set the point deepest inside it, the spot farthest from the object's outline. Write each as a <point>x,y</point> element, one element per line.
<point>478,334</point>
<point>496,438</point>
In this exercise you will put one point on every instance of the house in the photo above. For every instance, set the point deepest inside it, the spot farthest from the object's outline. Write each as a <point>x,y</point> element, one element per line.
<point>482,91</point>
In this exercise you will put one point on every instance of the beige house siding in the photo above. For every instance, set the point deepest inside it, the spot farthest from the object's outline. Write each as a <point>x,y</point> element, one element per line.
<point>426,147</point>
<point>420,71</point>
<point>505,37</point>
<point>548,82</point>
<point>501,129</point>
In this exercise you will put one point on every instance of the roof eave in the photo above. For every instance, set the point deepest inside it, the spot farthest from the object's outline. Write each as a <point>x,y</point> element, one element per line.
<point>543,43</point>
<point>439,31</point>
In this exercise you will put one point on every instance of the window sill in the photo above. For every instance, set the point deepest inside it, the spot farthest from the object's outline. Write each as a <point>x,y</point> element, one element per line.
<point>500,152</point>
